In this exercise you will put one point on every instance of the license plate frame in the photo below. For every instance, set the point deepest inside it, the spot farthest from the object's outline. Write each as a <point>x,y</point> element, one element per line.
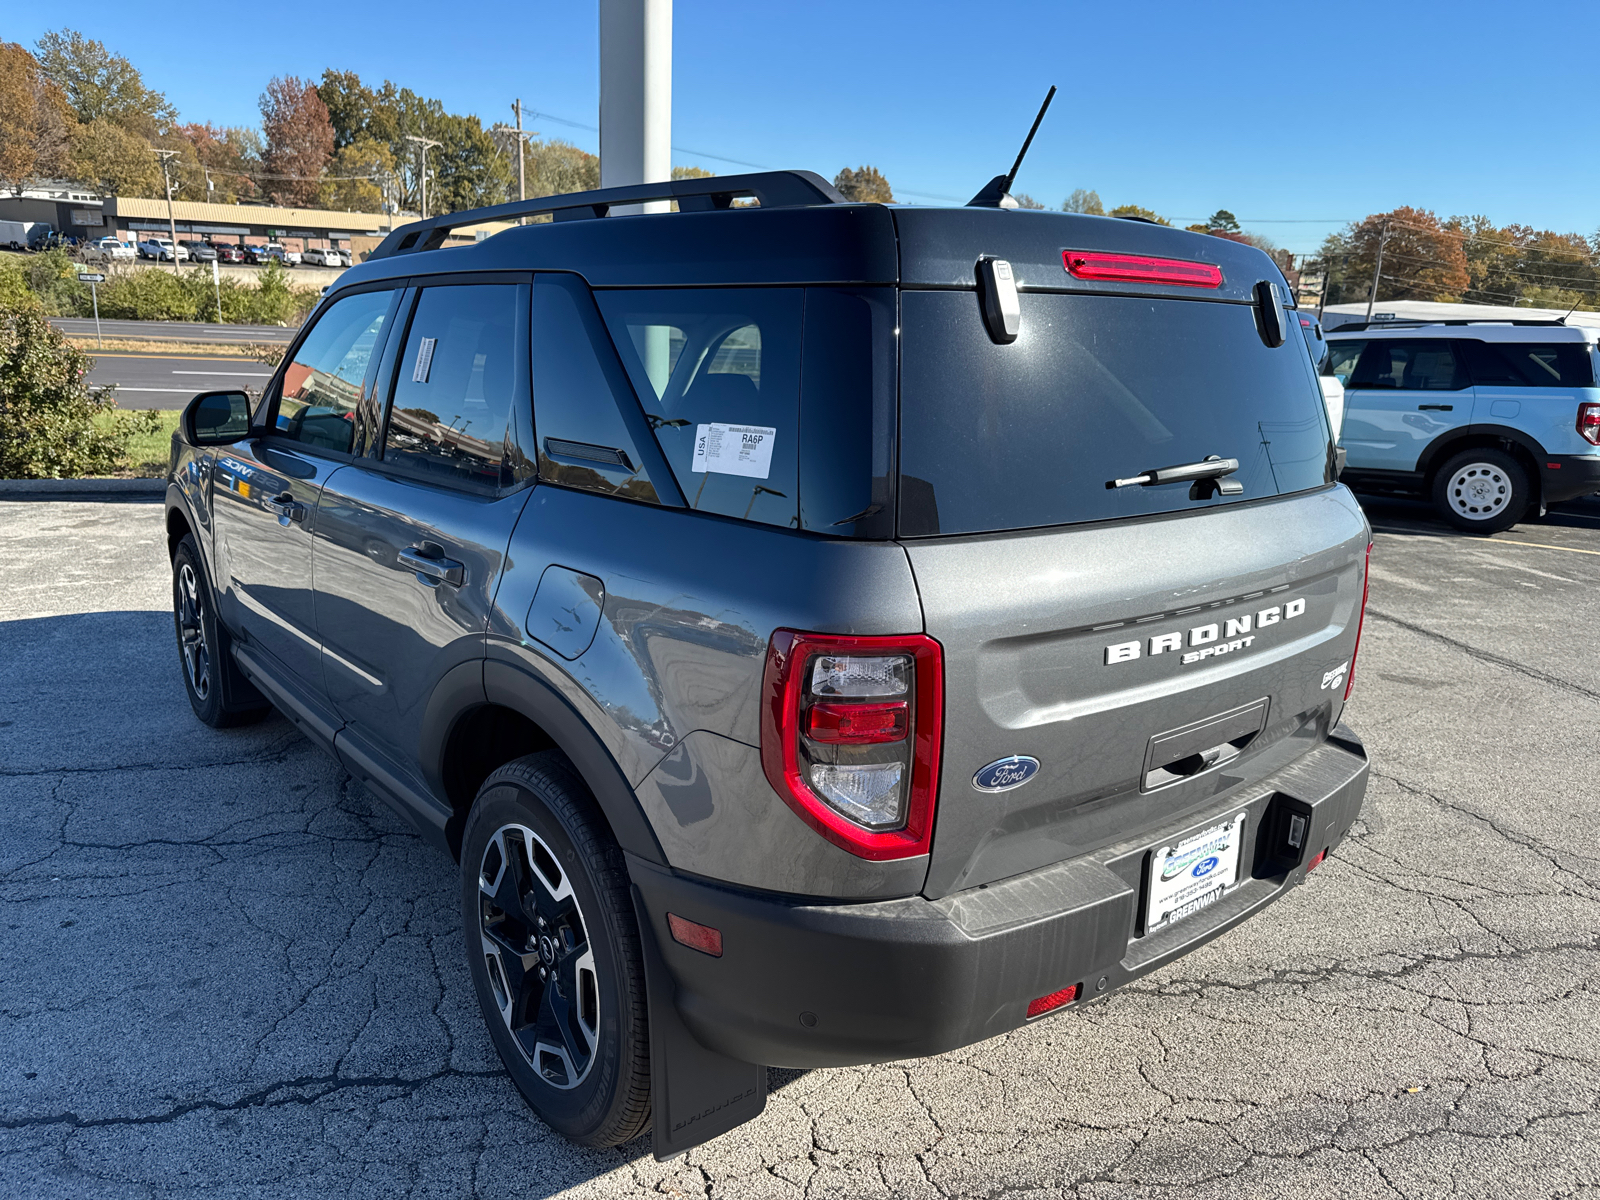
<point>1179,887</point>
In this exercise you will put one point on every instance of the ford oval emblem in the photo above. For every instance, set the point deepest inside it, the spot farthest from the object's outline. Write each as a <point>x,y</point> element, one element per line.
<point>1006,773</point>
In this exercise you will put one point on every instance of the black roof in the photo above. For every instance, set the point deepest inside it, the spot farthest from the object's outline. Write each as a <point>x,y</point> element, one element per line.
<point>801,231</point>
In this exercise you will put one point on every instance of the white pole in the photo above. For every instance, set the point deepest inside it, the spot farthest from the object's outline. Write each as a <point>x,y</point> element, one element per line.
<point>94,296</point>
<point>216,284</point>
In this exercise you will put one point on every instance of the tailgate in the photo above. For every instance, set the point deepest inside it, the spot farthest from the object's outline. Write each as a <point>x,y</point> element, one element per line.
<point>1149,666</point>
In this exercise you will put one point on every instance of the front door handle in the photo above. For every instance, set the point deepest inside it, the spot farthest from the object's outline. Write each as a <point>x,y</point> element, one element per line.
<point>428,561</point>
<point>1436,408</point>
<point>286,507</point>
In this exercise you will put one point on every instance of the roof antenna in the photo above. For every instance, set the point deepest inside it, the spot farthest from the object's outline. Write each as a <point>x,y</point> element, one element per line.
<point>997,192</point>
<point>1570,311</point>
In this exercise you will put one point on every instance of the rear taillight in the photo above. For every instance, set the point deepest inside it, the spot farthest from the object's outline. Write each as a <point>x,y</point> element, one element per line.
<point>1140,268</point>
<point>1589,423</point>
<point>1366,575</point>
<point>850,736</point>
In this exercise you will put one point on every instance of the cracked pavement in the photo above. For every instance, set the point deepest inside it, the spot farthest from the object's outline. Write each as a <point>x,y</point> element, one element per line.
<point>229,971</point>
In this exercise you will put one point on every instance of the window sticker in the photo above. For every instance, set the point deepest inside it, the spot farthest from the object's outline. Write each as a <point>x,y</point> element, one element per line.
<point>734,449</point>
<point>424,360</point>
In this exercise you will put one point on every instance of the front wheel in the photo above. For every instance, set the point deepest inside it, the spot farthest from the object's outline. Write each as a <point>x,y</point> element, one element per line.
<point>208,669</point>
<point>1482,491</point>
<point>554,952</point>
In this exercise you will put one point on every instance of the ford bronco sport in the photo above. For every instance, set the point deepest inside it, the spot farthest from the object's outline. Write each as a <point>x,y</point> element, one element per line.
<point>824,633</point>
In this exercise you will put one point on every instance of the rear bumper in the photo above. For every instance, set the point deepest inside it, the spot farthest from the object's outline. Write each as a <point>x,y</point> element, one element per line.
<point>815,985</point>
<point>1568,476</point>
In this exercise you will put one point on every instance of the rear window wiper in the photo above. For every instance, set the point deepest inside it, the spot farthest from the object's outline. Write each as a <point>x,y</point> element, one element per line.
<point>1206,475</point>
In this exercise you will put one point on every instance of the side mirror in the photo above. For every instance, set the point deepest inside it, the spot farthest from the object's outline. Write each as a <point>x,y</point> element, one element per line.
<point>216,418</point>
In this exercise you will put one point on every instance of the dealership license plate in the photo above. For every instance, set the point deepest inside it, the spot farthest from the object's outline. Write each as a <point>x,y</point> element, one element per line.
<point>1193,874</point>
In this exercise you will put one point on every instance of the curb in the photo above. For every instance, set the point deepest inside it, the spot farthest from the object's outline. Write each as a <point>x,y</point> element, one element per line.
<point>58,489</point>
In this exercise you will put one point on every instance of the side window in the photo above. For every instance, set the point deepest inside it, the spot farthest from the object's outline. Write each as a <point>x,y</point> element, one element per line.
<point>1529,364</point>
<point>322,382</point>
<point>1424,365</point>
<point>456,385</point>
<point>718,370</point>
<point>578,386</point>
<point>1342,359</point>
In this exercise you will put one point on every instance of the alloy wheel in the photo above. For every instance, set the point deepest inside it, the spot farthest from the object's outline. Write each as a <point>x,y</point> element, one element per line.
<point>192,632</point>
<point>537,953</point>
<point>1478,491</point>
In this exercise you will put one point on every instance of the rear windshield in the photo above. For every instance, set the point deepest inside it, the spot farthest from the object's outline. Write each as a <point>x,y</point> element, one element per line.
<point>997,437</point>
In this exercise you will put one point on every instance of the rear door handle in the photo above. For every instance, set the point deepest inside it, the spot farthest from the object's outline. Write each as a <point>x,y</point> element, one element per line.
<point>286,507</point>
<point>1436,408</point>
<point>428,561</point>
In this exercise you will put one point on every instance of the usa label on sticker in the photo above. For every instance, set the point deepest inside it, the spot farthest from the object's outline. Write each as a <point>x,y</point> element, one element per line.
<point>734,449</point>
<point>424,360</point>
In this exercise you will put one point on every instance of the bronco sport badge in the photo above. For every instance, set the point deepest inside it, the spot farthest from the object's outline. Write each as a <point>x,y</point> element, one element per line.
<point>1210,640</point>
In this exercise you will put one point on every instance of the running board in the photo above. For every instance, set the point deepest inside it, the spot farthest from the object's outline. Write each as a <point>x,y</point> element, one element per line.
<point>695,1094</point>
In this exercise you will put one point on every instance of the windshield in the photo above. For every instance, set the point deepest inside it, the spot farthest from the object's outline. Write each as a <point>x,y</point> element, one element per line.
<point>1096,388</point>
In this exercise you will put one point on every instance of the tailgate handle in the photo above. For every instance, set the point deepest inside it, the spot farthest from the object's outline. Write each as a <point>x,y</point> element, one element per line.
<point>1187,751</point>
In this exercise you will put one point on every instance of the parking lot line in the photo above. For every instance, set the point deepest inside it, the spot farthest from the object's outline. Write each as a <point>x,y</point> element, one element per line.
<point>1490,540</point>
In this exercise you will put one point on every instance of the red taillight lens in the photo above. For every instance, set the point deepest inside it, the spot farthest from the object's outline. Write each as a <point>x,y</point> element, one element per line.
<point>1366,576</point>
<point>1053,1001</point>
<point>858,724</point>
<point>695,935</point>
<point>1140,268</point>
<point>850,737</point>
<point>1589,423</point>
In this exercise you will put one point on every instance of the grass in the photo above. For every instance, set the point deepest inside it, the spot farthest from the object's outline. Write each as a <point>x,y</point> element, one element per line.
<point>148,453</point>
<point>152,346</point>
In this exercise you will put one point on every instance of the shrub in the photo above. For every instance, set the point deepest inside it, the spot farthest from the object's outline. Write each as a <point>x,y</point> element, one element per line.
<point>53,278</point>
<point>48,411</point>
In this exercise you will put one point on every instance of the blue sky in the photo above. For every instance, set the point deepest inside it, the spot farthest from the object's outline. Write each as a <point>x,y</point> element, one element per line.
<point>1296,117</point>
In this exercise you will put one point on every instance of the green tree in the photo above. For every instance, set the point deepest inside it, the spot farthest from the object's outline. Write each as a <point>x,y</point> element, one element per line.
<point>1084,200</point>
<point>108,158</point>
<point>1134,210</point>
<point>469,169</point>
<point>100,85</point>
<point>357,177</point>
<point>1224,220</point>
<point>556,168</point>
<point>864,185</point>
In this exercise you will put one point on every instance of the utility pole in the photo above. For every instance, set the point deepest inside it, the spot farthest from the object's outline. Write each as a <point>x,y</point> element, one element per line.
<point>423,145</point>
<point>522,135</point>
<point>166,157</point>
<point>1377,269</point>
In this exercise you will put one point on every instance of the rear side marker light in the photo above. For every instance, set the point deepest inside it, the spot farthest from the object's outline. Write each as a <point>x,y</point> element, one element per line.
<point>1055,1000</point>
<point>695,935</point>
<point>1589,423</point>
<point>1366,576</point>
<point>850,737</point>
<point>1317,861</point>
<point>1140,268</point>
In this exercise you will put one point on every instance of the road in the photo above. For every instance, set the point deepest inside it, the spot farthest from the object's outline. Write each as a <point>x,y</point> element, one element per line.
<point>229,972</point>
<point>168,381</point>
<point>174,331</point>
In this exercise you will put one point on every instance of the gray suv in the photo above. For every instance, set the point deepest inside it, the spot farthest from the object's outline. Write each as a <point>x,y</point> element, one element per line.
<point>824,633</point>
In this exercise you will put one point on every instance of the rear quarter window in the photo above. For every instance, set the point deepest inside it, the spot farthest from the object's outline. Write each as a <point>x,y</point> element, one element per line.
<point>1529,364</point>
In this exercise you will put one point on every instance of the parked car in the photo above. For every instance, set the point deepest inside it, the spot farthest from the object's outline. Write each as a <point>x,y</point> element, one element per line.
<point>345,257</point>
<point>261,255</point>
<point>320,257</point>
<point>228,252</point>
<point>162,250</point>
<point>108,248</point>
<point>1332,389</point>
<point>796,679</point>
<point>199,251</point>
<point>1491,421</point>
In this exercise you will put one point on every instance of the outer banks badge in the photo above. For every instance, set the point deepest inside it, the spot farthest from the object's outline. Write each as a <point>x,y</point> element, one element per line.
<point>1006,773</point>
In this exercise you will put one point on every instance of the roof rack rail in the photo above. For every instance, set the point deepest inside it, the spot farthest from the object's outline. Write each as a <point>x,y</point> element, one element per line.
<point>1413,322</point>
<point>772,189</point>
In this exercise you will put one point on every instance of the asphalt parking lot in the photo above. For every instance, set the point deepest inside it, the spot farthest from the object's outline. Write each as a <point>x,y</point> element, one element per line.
<point>228,971</point>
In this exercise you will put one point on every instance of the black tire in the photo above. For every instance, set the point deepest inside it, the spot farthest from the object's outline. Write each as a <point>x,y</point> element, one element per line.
<point>210,675</point>
<point>1482,491</point>
<point>576,1041</point>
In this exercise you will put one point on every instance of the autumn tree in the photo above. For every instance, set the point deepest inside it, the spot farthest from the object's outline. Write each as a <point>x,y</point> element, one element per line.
<point>109,159</point>
<point>1135,211</point>
<point>1026,201</point>
<point>100,85</point>
<point>226,158</point>
<point>1084,200</point>
<point>691,173</point>
<point>35,122</point>
<point>556,167</point>
<point>1422,259</point>
<point>864,185</point>
<point>360,176</point>
<point>1514,264</point>
<point>299,140</point>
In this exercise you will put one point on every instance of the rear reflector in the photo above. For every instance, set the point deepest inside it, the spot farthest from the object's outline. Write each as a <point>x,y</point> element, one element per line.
<point>1054,1000</point>
<point>1140,268</point>
<point>1317,861</point>
<point>695,936</point>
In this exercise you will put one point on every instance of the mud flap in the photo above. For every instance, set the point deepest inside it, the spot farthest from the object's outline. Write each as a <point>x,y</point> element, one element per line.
<point>695,1093</point>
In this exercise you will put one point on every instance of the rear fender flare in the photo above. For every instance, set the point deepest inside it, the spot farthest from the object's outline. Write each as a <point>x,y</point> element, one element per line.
<point>1446,444</point>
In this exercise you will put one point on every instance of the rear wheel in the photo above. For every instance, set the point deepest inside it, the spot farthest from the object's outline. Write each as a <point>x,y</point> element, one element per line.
<point>553,948</point>
<point>1482,491</point>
